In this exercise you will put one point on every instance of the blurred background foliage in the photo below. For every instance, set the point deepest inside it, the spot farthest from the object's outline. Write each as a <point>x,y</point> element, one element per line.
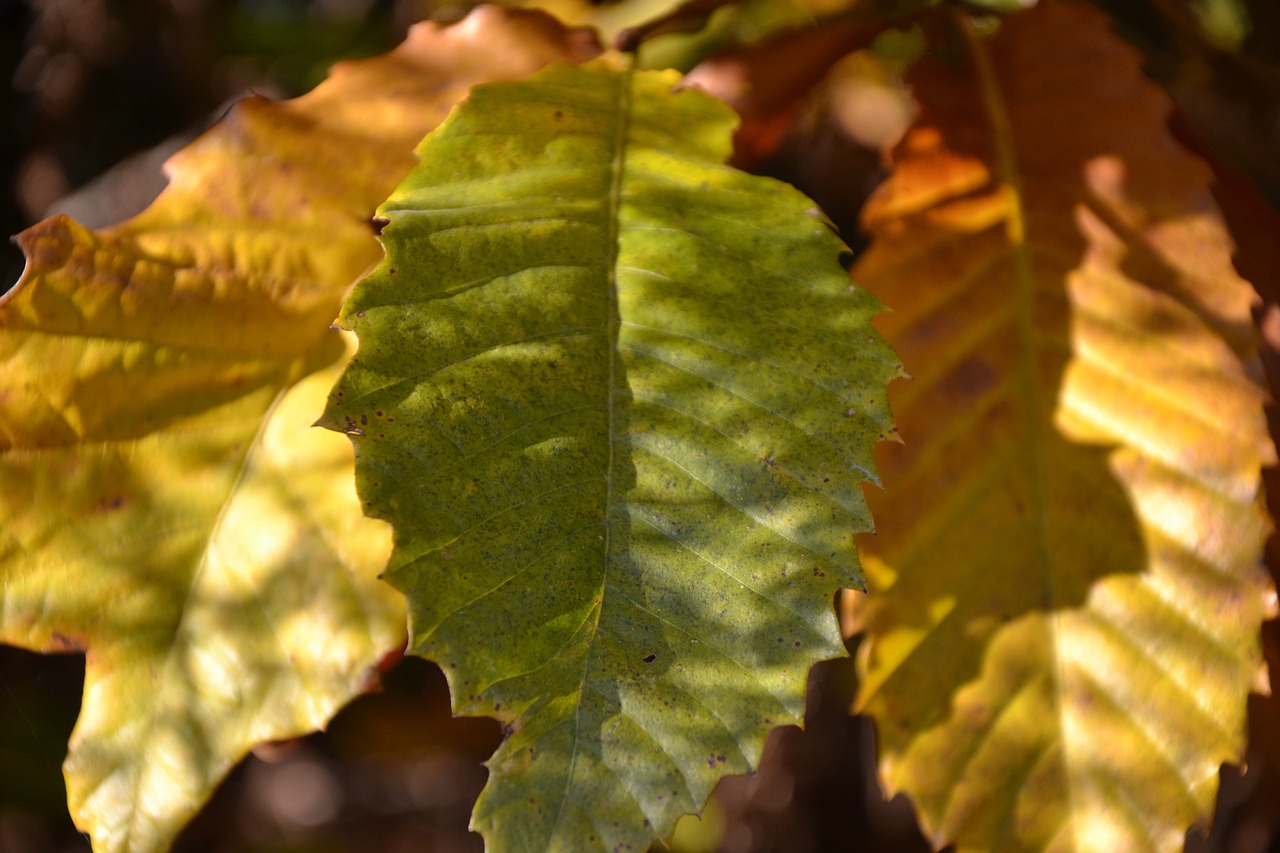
<point>102,91</point>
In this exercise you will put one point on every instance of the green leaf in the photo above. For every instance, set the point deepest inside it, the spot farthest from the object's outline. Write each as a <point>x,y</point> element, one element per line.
<point>1067,588</point>
<point>166,507</point>
<point>618,401</point>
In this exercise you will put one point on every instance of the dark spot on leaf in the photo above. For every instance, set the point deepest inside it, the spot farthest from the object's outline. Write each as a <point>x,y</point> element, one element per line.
<point>378,413</point>
<point>650,658</point>
<point>796,644</point>
<point>391,271</point>
<point>364,420</point>
<point>67,644</point>
<point>559,115</point>
<point>779,639</point>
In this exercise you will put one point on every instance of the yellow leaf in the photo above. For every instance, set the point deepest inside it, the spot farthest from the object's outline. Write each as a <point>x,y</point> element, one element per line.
<point>167,508</point>
<point>1066,582</point>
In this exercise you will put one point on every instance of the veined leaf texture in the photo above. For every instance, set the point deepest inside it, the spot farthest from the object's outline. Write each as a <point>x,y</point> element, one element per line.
<point>166,507</point>
<point>618,401</point>
<point>1066,584</point>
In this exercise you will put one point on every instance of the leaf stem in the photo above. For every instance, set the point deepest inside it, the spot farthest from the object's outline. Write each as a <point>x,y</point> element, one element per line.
<point>1006,157</point>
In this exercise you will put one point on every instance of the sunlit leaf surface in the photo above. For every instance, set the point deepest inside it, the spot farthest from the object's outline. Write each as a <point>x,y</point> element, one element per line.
<point>618,401</point>
<point>1066,589</point>
<point>167,508</point>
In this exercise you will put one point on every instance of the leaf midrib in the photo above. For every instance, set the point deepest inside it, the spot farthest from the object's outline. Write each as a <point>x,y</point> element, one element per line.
<point>137,826</point>
<point>612,323</point>
<point>1008,173</point>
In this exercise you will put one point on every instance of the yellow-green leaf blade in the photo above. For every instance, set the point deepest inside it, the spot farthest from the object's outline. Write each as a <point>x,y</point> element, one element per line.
<point>1066,582</point>
<point>618,401</point>
<point>168,508</point>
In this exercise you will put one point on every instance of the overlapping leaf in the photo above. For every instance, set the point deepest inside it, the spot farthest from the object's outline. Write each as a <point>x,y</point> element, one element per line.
<point>1066,581</point>
<point>618,401</point>
<point>167,509</point>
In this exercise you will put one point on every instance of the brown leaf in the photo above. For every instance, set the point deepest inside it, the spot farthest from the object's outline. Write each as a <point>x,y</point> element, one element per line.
<point>766,83</point>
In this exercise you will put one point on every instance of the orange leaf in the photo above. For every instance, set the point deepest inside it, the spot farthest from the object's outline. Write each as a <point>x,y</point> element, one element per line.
<point>1066,589</point>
